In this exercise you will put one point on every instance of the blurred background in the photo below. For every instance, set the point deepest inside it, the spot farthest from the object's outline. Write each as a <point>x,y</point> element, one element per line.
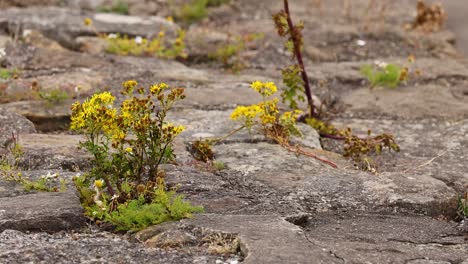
<point>457,10</point>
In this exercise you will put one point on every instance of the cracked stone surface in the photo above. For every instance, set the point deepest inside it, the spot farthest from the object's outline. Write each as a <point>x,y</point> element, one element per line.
<point>282,208</point>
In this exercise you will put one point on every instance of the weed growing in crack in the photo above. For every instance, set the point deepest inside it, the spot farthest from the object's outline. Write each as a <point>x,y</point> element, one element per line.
<point>123,45</point>
<point>129,143</point>
<point>228,54</point>
<point>462,206</point>
<point>196,10</point>
<point>10,156</point>
<point>264,118</point>
<point>361,150</point>
<point>139,46</point>
<point>298,89</point>
<point>202,150</point>
<point>388,74</point>
<point>221,243</point>
<point>7,74</point>
<point>429,18</point>
<point>53,97</point>
<point>119,7</point>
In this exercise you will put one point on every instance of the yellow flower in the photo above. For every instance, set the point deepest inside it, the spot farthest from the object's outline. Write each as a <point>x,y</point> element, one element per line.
<point>178,130</point>
<point>172,130</point>
<point>105,98</point>
<point>268,119</point>
<point>264,88</point>
<point>117,135</point>
<point>88,22</point>
<point>411,58</point>
<point>248,112</point>
<point>158,88</point>
<point>128,150</point>
<point>129,86</point>
<point>290,117</point>
<point>98,183</point>
<point>170,19</point>
<point>161,34</point>
<point>95,114</point>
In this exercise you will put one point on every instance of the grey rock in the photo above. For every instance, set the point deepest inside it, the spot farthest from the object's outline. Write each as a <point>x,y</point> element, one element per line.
<point>4,40</point>
<point>53,152</point>
<point>12,189</point>
<point>388,239</point>
<point>13,124</point>
<point>265,239</point>
<point>64,25</point>
<point>49,212</point>
<point>89,246</point>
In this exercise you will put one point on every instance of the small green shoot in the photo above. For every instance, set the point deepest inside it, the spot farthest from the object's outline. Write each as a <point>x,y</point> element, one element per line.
<point>462,206</point>
<point>196,10</point>
<point>166,206</point>
<point>228,53</point>
<point>53,97</point>
<point>7,74</point>
<point>386,75</point>
<point>219,165</point>
<point>118,7</point>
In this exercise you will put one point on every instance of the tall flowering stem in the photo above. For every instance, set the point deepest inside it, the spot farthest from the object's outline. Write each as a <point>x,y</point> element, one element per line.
<point>296,39</point>
<point>274,124</point>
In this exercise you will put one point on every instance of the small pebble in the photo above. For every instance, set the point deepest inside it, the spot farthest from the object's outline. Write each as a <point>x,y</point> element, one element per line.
<point>360,42</point>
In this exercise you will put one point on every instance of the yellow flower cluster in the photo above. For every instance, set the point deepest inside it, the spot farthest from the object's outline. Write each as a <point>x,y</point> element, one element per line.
<point>140,46</point>
<point>98,183</point>
<point>266,113</point>
<point>264,88</point>
<point>171,131</point>
<point>290,117</point>
<point>270,111</point>
<point>135,115</point>
<point>246,111</point>
<point>156,89</point>
<point>99,110</point>
<point>129,86</point>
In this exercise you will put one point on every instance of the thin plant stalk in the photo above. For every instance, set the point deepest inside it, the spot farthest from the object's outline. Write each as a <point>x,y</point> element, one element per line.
<point>298,54</point>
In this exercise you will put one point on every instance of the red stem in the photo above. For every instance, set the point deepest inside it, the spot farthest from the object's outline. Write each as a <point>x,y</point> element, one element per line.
<point>298,55</point>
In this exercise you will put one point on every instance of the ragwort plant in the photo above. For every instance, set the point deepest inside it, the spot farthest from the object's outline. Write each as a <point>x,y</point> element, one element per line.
<point>129,142</point>
<point>296,81</point>
<point>264,118</point>
<point>123,45</point>
<point>139,46</point>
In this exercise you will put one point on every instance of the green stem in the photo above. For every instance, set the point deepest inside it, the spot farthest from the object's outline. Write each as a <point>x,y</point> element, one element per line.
<point>217,140</point>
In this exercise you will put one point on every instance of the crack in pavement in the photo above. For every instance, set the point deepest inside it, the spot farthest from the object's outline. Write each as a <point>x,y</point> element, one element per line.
<point>424,243</point>
<point>331,252</point>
